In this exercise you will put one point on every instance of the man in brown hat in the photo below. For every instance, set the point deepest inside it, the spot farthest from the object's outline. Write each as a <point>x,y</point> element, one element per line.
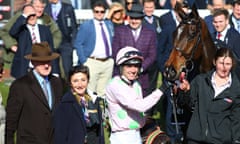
<point>32,100</point>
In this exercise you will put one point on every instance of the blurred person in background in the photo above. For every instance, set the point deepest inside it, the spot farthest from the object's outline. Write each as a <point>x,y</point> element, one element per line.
<point>63,14</point>
<point>227,4</point>
<point>152,22</point>
<point>128,5</point>
<point>225,35</point>
<point>234,19</point>
<point>27,32</point>
<point>94,48</point>
<point>11,44</point>
<point>116,14</point>
<point>216,4</point>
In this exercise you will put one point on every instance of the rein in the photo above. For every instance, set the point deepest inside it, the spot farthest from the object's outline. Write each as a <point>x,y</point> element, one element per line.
<point>189,61</point>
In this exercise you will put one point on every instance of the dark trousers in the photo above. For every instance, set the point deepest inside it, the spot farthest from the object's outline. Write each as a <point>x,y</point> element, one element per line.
<point>153,77</point>
<point>66,51</point>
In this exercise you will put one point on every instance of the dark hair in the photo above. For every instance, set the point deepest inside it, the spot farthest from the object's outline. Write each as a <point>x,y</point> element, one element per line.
<point>134,2</point>
<point>41,1</point>
<point>77,69</point>
<point>236,2</point>
<point>145,1</point>
<point>225,52</point>
<point>221,11</point>
<point>27,5</point>
<point>99,3</point>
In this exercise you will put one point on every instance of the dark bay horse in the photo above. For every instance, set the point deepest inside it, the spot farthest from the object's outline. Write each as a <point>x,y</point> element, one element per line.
<point>193,48</point>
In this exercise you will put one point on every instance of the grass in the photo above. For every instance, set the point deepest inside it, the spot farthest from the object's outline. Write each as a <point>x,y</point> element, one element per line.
<point>4,88</point>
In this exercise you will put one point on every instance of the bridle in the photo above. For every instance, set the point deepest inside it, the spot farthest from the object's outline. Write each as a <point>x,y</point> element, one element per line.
<point>189,64</point>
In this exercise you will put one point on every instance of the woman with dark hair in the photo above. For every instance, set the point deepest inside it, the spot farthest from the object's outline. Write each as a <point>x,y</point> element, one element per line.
<point>128,6</point>
<point>215,99</point>
<point>78,118</point>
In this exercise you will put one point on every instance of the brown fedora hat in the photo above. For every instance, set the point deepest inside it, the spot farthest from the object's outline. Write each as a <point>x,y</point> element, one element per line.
<point>41,52</point>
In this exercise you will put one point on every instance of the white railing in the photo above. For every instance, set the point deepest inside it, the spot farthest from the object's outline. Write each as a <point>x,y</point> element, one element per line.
<point>82,15</point>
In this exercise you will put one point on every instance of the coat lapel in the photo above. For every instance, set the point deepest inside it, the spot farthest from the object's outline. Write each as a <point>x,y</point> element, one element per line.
<point>37,90</point>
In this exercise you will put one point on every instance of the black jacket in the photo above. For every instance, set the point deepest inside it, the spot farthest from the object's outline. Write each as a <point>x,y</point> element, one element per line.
<point>66,21</point>
<point>214,120</point>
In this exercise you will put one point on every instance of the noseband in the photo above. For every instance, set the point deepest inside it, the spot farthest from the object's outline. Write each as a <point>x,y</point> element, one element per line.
<point>189,64</point>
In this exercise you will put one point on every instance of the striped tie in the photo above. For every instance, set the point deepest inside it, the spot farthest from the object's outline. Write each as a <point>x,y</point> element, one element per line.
<point>34,38</point>
<point>44,83</point>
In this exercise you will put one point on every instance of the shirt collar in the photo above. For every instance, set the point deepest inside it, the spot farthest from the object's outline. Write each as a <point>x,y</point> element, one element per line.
<point>125,80</point>
<point>149,18</point>
<point>30,26</point>
<point>39,78</point>
<point>224,32</point>
<point>57,5</point>
<point>227,84</point>
<point>136,30</point>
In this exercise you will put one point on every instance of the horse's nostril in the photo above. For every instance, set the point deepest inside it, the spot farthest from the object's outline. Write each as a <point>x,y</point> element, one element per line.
<point>170,72</point>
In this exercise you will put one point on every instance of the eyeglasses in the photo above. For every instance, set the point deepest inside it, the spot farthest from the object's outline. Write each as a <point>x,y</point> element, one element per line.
<point>96,11</point>
<point>128,3</point>
<point>118,11</point>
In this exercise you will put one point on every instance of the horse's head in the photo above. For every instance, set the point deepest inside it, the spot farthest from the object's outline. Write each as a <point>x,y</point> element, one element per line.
<point>189,45</point>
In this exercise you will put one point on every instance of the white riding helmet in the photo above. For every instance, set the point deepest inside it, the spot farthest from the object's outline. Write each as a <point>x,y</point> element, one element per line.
<point>129,55</point>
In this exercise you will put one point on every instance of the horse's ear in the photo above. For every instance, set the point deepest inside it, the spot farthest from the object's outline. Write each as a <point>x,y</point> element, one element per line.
<point>194,11</point>
<point>179,9</point>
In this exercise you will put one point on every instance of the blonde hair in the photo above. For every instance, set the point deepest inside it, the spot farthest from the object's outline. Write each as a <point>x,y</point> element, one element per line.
<point>118,5</point>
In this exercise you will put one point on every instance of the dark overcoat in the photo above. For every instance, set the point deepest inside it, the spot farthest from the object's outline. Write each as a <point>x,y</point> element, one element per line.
<point>69,123</point>
<point>23,36</point>
<point>28,112</point>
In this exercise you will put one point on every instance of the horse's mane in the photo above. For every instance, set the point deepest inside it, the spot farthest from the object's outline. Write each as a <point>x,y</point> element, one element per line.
<point>209,48</point>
